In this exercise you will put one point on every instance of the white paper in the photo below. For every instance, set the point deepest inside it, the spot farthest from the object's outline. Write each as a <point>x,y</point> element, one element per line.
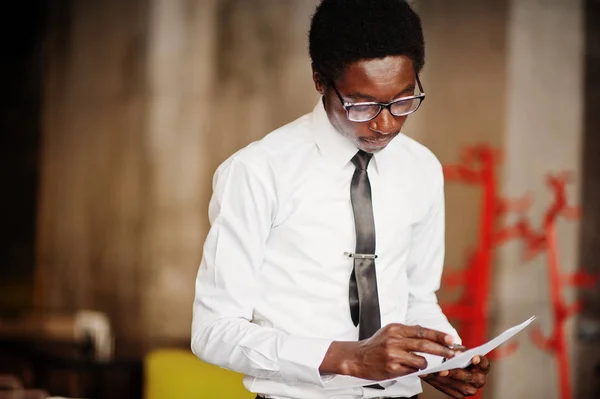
<point>461,360</point>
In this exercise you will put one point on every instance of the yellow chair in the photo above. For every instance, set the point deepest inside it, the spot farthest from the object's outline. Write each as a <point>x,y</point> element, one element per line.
<point>179,374</point>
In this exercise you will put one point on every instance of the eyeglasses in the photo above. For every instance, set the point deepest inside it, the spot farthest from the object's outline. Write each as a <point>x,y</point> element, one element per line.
<point>366,111</point>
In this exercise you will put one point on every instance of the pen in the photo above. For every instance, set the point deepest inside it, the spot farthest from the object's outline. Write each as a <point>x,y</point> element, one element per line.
<point>457,348</point>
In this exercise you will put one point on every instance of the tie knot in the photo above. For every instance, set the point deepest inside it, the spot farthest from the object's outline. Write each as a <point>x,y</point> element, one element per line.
<point>361,159</point>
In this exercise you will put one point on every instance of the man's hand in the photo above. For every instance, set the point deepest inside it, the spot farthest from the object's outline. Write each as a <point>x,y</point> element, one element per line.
<point>459,383</point>
<point>388,354</point>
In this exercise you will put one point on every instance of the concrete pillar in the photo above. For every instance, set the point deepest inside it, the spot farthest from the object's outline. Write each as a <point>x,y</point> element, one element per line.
<point>176,143</point>
<point>543,135</point>
<point>92,169</point>
<point>143,100</point>
<point>465,82</point>
<point>221,74</point>
<point>262,71</point>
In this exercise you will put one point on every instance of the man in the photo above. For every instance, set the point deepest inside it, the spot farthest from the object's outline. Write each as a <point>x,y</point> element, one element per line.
<point>327,236</point>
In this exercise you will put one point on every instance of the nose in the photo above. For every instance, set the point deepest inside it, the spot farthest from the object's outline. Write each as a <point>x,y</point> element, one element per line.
<point>384,123</point>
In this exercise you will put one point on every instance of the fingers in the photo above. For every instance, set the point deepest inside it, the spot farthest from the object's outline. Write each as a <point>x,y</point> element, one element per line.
<point>394,349</point>
<point>395,369</point>
<point>421,339</point>
<point>392,359</point>
<point>428,334</point>
<point>445,389</point>
<point>480,363</point>
<point>425,346</point>
<point>413,361</point>
<point>395,359</point>
<point>484,364</point>
<point>459,388</point>
<point>476,379</point>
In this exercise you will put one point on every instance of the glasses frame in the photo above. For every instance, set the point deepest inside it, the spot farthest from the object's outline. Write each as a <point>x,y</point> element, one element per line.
<point>348,106</point>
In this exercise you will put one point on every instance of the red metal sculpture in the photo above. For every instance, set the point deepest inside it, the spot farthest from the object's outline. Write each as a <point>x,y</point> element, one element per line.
<point>478,167</point>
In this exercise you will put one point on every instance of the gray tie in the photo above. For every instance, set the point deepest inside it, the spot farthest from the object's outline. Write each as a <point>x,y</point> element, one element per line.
<point>364,300</point>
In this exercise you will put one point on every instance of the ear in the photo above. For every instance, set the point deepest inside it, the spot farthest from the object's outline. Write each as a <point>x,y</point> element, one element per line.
<point>319,84</point>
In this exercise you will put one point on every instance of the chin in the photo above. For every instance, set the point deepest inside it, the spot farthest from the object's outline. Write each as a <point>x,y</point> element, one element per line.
<point>373,147</point>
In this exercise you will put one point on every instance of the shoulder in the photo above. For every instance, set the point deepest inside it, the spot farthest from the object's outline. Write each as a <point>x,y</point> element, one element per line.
<point>426,175</point>
<point>425,162</point>
<point>275,150</point>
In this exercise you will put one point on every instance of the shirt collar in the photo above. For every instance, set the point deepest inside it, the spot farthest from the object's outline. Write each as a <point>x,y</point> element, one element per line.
<point>338,149</point>
<point>386,158</point>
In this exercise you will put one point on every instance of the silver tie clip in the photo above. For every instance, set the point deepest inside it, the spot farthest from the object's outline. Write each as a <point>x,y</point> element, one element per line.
<point>360,256</point>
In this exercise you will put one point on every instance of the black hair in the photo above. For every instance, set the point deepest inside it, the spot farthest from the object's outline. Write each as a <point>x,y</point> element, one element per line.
<point>346,31</point>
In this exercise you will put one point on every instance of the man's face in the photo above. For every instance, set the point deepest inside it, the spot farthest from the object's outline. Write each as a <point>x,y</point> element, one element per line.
<point>381,80</point>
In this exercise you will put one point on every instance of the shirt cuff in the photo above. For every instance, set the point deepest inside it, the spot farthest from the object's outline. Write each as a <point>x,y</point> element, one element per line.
<point>300,358</point>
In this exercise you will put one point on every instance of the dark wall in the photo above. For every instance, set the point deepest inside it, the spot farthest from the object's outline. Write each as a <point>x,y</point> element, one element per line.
<point>21,67</point>
<point>588,368</point>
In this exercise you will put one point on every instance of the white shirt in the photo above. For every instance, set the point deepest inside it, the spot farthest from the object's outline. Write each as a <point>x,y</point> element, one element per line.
<point>272,288</point>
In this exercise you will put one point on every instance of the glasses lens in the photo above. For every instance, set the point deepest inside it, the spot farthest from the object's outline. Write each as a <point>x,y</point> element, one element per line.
<point>363,113</point>
<point>405,107</point>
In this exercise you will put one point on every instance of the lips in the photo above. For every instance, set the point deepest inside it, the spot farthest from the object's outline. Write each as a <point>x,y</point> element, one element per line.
<point>380,142</point>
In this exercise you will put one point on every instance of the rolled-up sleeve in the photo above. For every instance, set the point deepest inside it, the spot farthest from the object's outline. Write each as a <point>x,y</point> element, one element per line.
<point>241,212</point>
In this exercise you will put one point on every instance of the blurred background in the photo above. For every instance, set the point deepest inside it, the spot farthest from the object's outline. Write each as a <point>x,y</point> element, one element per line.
<point>115,115</point>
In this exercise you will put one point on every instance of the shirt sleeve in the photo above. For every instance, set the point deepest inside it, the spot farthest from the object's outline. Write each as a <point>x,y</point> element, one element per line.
<point>241,211</point>
<point>425,266</point>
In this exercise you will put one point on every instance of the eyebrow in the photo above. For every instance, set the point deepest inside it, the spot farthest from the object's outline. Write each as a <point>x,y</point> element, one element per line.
<point>361,96</point>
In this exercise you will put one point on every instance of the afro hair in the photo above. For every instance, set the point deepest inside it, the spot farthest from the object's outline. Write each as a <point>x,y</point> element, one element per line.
<point>345,31</point>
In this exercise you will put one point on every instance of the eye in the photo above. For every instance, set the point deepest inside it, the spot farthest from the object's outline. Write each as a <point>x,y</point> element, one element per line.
<point>404,107</point>
<point>364,108</point>
<point>361,113</point>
